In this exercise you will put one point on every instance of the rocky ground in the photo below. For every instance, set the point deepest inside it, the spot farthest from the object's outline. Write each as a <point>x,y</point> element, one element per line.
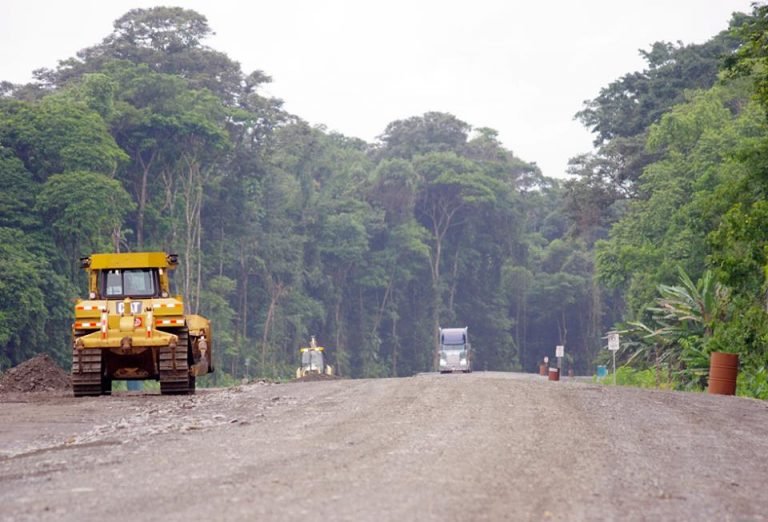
<point>483,446</point>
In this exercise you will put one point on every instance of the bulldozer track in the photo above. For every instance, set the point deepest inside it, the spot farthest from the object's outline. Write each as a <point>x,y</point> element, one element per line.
<point>87,379</point>
<point>174,367</point>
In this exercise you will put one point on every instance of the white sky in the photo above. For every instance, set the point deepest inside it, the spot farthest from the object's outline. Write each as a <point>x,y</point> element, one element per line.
<point>522,68</point>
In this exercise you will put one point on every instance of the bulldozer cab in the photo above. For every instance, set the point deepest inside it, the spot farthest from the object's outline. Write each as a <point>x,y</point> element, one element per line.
<point>138,276</point>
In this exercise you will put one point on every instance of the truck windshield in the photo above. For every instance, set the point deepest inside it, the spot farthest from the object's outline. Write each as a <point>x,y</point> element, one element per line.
<point>454,338</point>
<point>134,282</point>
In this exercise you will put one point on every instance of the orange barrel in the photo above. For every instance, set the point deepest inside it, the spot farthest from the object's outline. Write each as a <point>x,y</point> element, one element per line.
<point>543,369</point>
<point>723,370</point>
<point>554,374</point>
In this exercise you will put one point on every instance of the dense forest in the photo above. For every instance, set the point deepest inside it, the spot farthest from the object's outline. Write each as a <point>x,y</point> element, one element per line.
<point>151,140</point>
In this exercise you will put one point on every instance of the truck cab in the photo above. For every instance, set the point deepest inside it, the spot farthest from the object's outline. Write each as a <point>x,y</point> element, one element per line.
<point>455,350</point>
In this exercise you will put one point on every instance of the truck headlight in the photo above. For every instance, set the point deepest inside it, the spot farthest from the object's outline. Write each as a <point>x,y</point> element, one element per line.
<point>463,362</point>
<point>443,362</point>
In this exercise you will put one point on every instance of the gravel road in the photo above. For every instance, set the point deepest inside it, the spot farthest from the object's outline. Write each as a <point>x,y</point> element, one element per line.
<point>483,446</point>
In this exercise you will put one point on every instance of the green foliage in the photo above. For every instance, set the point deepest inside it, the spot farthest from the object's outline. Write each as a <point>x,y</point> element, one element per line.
<point>97,91</point>
<point>680,329</point>
<point>694,356</point>
<point>739,242</point>
<point>33,301</point>
<point>746,332</point>
<point>85,210</point>
<point>751,58</point>
<point>693,306</point>
<point>628,106</point>
<point>753,384</point>
<point>699,145</point>
<point>216,307</point>
<point>18,194</point>
<point>419,135</point>
<point>647,378</point>
<point>57,135</point>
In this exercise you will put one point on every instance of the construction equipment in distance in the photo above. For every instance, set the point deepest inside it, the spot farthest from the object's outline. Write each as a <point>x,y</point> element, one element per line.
<point>312,361</point>
<point>130,328</point>
<point>455,354</point>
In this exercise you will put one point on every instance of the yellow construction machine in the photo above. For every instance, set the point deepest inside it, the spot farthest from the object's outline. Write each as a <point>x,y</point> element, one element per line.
<point>131,328</point>
<point>312,361</point>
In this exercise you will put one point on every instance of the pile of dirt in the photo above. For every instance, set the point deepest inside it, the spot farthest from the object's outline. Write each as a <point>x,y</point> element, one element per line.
<point>38,374</point>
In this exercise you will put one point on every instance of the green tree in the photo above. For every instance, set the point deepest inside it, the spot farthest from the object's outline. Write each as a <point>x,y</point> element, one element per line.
<point>18,195</point>
<point>57,135</point>
<point>432,132</point>
<point>86,212</point>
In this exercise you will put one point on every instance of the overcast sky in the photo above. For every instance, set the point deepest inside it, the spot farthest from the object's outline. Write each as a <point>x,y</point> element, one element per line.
<point>522,68</point>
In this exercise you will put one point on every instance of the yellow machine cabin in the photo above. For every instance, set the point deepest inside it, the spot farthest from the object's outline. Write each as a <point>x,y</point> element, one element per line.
<point>130,328</point>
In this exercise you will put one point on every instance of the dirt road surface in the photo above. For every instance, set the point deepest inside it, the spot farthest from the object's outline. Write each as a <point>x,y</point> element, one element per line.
<point>484,446</point>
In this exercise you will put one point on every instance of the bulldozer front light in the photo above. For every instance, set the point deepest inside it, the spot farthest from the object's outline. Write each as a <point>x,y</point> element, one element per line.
<point>91,324</point>
<point>167,322</point>
<point>91,295</point>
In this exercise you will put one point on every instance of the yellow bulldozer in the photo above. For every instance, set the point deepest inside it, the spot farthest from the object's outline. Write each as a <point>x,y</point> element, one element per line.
<point>312,361</point>
<point>130,327</point>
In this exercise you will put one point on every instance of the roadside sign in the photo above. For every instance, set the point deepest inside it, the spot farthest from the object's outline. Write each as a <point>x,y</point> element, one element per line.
<point>613,346</point>
<point>560,351</point>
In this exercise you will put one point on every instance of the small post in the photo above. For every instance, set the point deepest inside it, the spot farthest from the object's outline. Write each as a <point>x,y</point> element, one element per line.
<point>613,346</point>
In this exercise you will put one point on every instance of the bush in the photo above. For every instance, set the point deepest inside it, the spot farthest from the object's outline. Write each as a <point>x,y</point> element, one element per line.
<point>627,376</point>
<point>752,381</point>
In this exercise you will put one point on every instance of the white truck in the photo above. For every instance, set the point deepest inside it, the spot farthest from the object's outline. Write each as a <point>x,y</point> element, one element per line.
<point>455,353</point>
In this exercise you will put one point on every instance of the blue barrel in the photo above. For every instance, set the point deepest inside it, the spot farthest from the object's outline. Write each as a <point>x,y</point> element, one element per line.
<point>602,371</point>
